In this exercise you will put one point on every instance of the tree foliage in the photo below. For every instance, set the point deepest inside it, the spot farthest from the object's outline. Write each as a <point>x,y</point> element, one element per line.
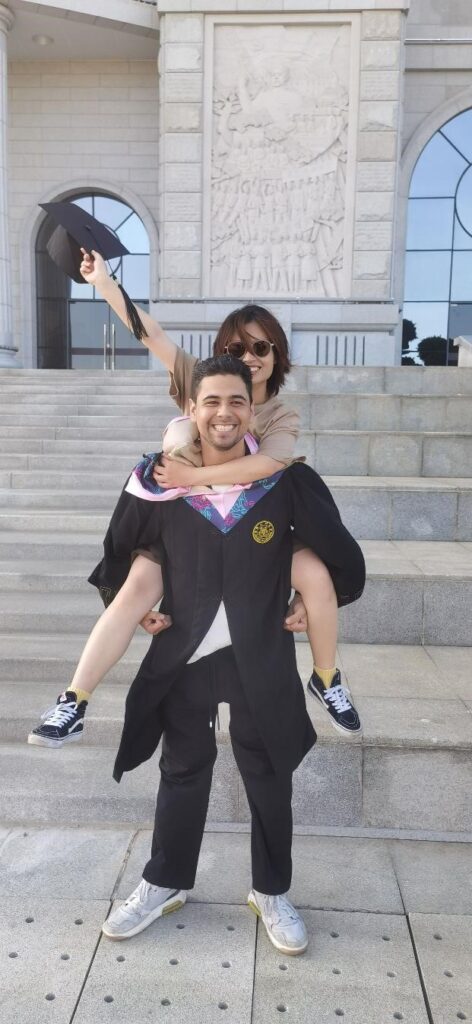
<point>433,351</point>
<point>408,334</point>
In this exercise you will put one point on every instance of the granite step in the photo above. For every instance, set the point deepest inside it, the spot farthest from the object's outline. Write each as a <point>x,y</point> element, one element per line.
<point>31,377</point>
<point>51,483</point>
<point>318,412</point>
<point>383,412</point>
<point>414,727</point>
<point>393,380</point>
<point>428,380</point>
<point>346,786</point>
<point>392,714</point>
<point>404,508</point>
<point>416,592</point>
<point>86,500</point>
<point>80,416</point>
<point>384,453</point>
<point>121,464</point>
<point>332,452</point>
<point>373,508</point>
<point>24,547</point>
<point>49,399</point>
<point>42,658</point>
<point>76,446</point>
<point>55,410</point>
<point>99,383</point>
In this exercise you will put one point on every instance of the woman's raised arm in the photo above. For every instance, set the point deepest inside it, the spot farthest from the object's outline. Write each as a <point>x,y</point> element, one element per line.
<point>94,271</point>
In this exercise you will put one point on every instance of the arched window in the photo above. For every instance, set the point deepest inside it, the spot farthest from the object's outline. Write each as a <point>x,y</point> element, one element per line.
<point>75,326</point>
<point>438,275</point>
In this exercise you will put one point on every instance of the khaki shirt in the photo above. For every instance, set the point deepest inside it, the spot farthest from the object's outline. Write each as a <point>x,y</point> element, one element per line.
<point>275,426</point>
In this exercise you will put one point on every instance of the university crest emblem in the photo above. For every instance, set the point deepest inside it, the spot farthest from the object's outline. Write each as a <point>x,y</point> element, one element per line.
<point>263,531</point>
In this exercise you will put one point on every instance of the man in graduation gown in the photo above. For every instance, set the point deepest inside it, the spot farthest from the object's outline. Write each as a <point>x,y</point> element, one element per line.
<point>226,562</point>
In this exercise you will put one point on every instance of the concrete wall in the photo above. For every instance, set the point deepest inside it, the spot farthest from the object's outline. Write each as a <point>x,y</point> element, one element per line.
<point>438,57</point>
<point>429,16</point>
<point>75,125</point>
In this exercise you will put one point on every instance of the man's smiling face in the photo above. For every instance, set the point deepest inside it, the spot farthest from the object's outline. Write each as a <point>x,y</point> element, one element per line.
<point>222,411</point>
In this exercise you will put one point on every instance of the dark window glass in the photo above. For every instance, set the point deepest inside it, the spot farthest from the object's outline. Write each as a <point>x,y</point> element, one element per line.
<point>460,319</point>
<point>53,334</point>
<point>125,339</point>
<point>86,361</point>
<point>86,324</point>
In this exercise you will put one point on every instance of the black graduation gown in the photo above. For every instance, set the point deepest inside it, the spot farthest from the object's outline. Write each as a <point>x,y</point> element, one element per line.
<point>248,568</point>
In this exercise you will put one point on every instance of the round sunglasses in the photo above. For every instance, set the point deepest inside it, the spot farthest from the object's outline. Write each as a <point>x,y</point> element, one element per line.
<point>260,348</point>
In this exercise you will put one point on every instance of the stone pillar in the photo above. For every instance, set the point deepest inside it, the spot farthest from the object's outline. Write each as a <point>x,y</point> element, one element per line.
<point>7,349</point>
<point>181,128</point>
<point>378,152</point>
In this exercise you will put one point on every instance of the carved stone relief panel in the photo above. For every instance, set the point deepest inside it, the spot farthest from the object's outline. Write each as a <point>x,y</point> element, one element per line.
<point>279,152</point>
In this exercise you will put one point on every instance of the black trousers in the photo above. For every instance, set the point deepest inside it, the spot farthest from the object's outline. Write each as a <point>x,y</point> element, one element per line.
<point>188,755</point>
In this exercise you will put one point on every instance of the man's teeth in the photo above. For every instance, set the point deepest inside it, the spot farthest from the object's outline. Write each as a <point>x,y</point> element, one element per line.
<point>223,427</point>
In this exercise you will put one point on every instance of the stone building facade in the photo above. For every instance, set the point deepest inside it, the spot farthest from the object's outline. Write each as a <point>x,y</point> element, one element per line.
<point>267,147</point>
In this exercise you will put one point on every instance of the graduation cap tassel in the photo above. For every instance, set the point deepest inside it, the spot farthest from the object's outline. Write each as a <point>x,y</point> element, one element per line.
<point>134,320</point>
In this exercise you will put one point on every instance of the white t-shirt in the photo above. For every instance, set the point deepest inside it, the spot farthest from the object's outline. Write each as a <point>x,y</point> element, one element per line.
<point>218,636</point>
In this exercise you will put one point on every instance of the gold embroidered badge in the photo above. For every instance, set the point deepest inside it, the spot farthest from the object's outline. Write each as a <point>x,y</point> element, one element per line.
<point>263,531</point>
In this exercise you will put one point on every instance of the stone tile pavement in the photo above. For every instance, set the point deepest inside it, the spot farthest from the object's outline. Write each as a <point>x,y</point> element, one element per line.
<point>390,923</point>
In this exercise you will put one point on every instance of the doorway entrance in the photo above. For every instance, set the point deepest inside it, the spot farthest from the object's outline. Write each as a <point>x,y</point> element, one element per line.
<point>76,328</point>
<point>99,340</point>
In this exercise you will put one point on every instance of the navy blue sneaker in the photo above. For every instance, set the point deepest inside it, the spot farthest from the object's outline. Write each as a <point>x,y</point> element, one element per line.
<point>336,700</point>
<point>63,723</point>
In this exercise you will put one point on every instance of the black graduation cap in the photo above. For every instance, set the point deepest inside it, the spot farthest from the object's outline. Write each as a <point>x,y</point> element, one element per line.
<point>78,230</point>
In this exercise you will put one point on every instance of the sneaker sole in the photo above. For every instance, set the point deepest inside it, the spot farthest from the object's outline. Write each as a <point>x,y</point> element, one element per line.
<point>339,728</point>
<point>175,903</point>
<point>47,741</point>
<point>288,950</point>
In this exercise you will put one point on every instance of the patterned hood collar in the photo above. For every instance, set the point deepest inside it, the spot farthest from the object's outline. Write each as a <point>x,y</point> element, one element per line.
<point>142,484</point>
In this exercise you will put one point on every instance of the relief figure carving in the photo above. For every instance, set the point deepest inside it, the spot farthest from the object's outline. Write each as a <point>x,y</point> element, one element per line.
<point>279,153</point>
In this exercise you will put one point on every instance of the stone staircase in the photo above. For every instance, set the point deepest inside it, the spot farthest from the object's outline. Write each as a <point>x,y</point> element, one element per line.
<point>395,447</point>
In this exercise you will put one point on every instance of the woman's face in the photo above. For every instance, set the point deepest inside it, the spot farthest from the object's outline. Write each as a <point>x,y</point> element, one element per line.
<point>261,367</point>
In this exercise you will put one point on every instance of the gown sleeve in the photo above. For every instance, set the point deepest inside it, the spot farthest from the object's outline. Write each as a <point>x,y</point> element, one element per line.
<point>318,525</point>
<point>135,525</point>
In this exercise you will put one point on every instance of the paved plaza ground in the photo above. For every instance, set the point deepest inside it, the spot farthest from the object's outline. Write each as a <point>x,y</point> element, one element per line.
<point>390,925</point>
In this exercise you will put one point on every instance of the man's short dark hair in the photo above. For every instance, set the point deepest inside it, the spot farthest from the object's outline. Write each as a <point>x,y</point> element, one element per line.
<point>216,366</point>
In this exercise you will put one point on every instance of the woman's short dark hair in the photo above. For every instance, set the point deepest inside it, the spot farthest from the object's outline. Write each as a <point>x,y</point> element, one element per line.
<point>236,323</point>
<point>224,365</point>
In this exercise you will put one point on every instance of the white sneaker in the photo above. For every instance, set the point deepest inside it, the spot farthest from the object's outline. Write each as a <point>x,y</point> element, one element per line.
<point>283,924</point>
<point>145,905</point>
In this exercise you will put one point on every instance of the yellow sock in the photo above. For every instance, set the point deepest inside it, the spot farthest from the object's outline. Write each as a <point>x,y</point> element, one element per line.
<point>80,694</point>
<point>326,675</point>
